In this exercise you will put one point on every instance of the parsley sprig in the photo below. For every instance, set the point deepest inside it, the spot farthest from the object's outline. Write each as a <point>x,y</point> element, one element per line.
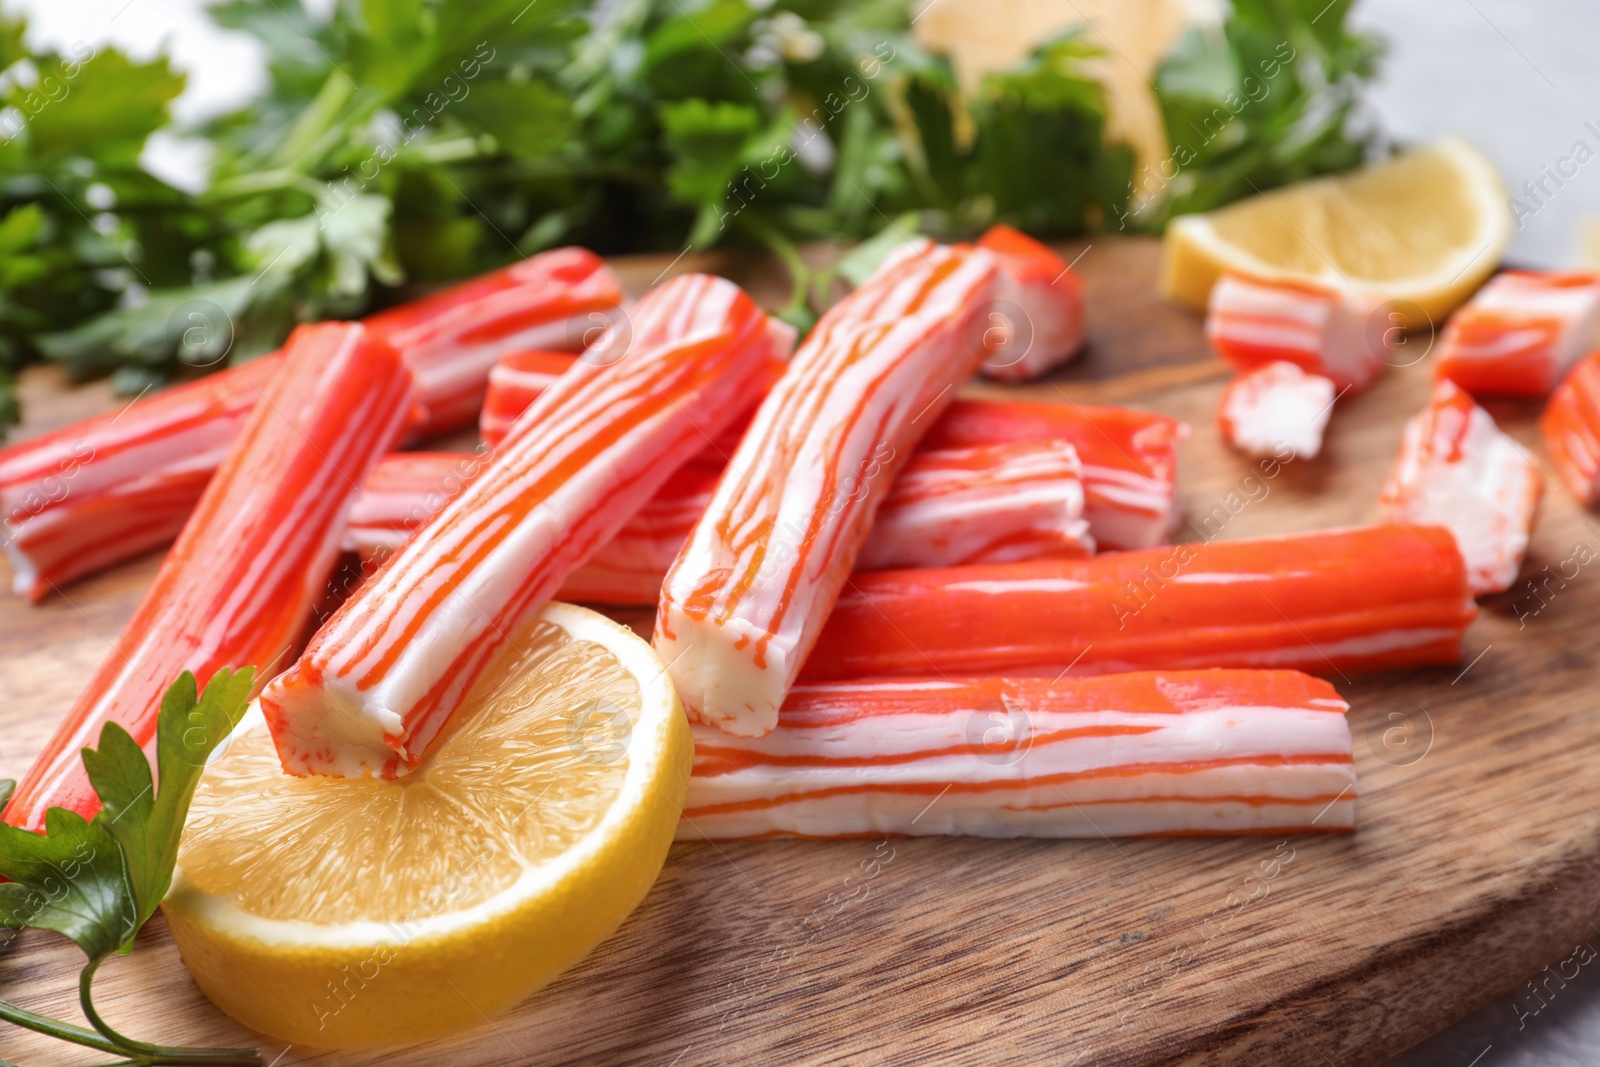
<point>97,880</point>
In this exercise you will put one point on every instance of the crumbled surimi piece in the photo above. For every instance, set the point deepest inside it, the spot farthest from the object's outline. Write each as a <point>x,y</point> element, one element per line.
<point>1571,426</point>
<point>1520,333</point>
<point>1180,753</point>
<point>1457,470</point>
<point>381,679</point>
<point>1372,598</point>
<point>1277,405</point>
<point>1250,322</point>
<point>745,599</point>
<point>1036,322</point>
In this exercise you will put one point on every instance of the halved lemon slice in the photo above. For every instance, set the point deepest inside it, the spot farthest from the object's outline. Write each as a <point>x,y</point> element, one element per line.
<point>1425,227</point>
<point>355,912</point>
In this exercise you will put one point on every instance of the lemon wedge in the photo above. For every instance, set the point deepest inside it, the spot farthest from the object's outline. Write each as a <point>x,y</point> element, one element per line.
<point>1424,229</point>
<point>353,913</point>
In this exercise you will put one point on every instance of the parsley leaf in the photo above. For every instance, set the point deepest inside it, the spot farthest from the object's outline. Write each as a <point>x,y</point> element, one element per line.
<point>70,879</point>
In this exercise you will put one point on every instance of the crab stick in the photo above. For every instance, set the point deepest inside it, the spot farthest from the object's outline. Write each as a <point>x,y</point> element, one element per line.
<point>104,490</point>
<point>1036,322</point>
<point>1518,335</point>
<point>761,570</point>
<point>382,677</point>
<point>1180,753</point>
<point>1457,470</point>
<point>1571,426</point>
<point>516,381</point>
<point>1276,406</point>
<point>1021,500</point>
<point>1325,602</point>
<point>1250,322</point>
<point>1130,458</point>
<point>238,587</point>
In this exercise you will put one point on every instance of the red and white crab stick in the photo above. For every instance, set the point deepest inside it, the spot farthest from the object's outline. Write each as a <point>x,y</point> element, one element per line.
<point>1457,470</point>
<point>1014,501</point>
<point>1180,753</point>
<point>238,587</point>
<point>382,677</point>
<point>1571,428</point>
<point>745,599</point>
<point>516,381</point>
<point>1326,602</point>
<point>1335,335</point>
<point>1036,323</point>
<point>104,490</point>
<point>1518,335</point>
<point>1276,406</point>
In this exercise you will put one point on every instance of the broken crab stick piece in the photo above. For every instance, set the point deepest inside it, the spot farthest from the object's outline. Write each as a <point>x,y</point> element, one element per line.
<point>988,504</point>
<point>1457,470</point>
<point>1250,322</point>
<point>237,588</point>
<point>1037,320</point>
<point>1021,500</point>
<point>745,599</point>
<point>1130,458</point>
<point>1330,601</point>
<point>1518,335</point>
<point>1571,427</point>
<point>382,677</point>
<point>109,488</point>
<point>1274,406</point>
<point>516,381</point>
<point>1174,753</point>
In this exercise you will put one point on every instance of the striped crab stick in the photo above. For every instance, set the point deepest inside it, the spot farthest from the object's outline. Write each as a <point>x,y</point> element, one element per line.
<point>1274,406</point>
<point>761,570</point>
<point>107,489</point>
<point>516,381</point>
<point>1518,335</point>
<point>1457,470</point>
<point>1371,598</point>
<point>1021,500</point>
<point>1181,753</point>
<point>238,587</point>
<point>1037,322</point>
<point>1250,322</point>
<point>1571,427</point>
<point>383,675</point>
<point>1130,458</point>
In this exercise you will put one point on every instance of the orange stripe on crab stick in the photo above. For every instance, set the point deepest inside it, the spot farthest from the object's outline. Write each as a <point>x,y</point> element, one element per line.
<point>1181,752</point>
<point>238,586</point>
<point>107,489</point>
<point>1015,501</point>
<point>382,677</point>
<point>1324,602</point>
<point>1571,427</point>
<point>1518,335</point>
<point>743,603</point>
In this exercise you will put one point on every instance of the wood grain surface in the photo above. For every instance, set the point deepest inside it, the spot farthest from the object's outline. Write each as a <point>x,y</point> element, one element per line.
<point>1476,861</point>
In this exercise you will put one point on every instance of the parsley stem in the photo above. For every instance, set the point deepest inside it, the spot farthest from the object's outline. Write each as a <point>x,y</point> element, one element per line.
<point>144,1052</point>
<point>43,1024</point>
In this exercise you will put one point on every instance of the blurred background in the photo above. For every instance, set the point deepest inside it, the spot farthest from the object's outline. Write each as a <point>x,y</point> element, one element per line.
<point>1518,79</point>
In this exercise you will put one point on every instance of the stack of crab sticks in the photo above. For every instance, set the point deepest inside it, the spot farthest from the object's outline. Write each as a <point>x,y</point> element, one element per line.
<point>239,585</point>
<point>107,489</point>
<point>381,678</point>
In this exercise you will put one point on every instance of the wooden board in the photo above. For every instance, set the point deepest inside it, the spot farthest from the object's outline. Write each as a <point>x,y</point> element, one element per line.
<point>1478,850</point>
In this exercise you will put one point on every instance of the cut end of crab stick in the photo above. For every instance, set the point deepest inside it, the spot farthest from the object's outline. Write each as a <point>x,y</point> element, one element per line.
<point>515,382</point>
<point>1176,753</point>
<point>1276,407</point>
<point>988,504</point>
<point>1520,333</point>
<point>1037,318</point>
<point>745,599</point>
<point>1372,598</point>
<point>1571,427</point>
<point>1130,458</point>
<point>1457,470</point>
<point>1332,334</point>
<point>380,680</point>
<point>237,588</point>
